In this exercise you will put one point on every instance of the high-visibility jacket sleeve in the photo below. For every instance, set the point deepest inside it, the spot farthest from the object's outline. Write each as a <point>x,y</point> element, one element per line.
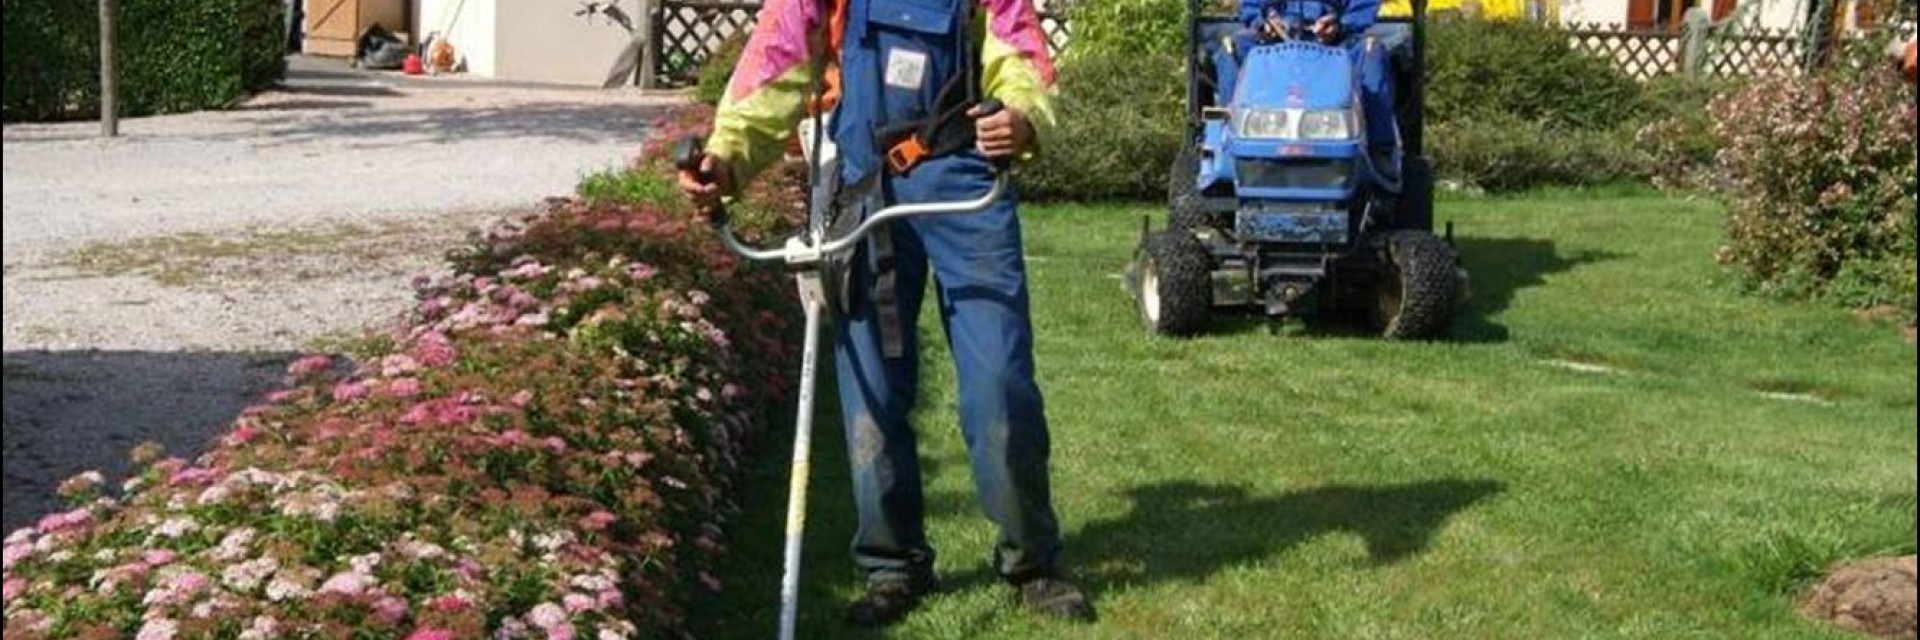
<point>1015,65</point>
<point>768,91</point>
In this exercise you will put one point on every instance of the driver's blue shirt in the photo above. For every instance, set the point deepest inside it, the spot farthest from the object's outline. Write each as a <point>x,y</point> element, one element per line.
<point>1359,14</point>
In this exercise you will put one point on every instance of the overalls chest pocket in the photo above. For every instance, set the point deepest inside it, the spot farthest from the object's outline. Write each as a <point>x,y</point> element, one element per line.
<point>916,43</point>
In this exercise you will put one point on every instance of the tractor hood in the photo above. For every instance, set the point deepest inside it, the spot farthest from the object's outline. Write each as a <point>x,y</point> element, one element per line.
<point>1296,75</point>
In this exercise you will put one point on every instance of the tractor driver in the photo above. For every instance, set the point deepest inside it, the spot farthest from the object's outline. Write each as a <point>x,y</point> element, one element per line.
<point>1272,20</point>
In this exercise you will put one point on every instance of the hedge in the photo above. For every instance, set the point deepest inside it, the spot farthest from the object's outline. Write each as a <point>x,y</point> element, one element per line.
<point>173,55</point>
<point>544,449</point>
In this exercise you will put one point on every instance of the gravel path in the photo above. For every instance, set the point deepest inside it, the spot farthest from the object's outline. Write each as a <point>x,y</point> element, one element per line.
<point>157,283</point>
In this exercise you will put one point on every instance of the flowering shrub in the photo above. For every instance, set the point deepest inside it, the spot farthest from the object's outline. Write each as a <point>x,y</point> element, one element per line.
<point>1819,172</point>
<point>542,451</point>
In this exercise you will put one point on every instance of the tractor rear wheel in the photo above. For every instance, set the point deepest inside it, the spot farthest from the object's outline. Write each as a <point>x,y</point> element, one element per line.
<point>1176,284</point>
<point>1416,297</point>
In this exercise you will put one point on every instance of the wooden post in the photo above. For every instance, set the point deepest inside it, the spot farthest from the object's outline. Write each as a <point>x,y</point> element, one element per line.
<point>109,113</point>
<point>650,49</point>
<point>1694,42</point>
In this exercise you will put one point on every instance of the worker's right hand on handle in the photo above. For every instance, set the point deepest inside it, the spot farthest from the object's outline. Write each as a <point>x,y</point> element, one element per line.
<point>1000,132</point>
<point>705,179</point>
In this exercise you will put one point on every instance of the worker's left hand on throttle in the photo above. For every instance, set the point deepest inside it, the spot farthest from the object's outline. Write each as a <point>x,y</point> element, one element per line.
<point>1002,134</point>
<point>1326,29</point>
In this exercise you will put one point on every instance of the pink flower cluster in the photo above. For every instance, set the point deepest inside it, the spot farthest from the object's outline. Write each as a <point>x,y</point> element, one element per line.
<point>558,423</point>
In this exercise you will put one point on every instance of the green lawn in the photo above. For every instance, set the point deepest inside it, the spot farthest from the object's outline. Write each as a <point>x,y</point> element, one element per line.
<point>1321,485</point>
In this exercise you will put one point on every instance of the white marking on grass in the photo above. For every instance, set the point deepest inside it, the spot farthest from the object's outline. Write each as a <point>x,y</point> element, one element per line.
<point>1582,367</point>
<point>1807,398</point>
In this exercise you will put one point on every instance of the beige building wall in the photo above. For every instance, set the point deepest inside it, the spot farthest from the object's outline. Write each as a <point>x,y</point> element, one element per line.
<point>542,41</point>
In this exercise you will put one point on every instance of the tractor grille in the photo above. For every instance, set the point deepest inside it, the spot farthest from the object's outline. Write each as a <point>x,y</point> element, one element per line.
<point>1294,174</point>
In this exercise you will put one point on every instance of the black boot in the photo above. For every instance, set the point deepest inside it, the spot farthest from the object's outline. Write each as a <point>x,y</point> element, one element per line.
<point>1055,596</point>
<point>888,600</point>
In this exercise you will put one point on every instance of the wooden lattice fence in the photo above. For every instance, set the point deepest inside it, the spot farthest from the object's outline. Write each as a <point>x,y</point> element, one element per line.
<point>1642,55</point>
<point>1645,55</point>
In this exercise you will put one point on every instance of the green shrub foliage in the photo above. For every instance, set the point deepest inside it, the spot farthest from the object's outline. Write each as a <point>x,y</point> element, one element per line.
<point>173,55</point>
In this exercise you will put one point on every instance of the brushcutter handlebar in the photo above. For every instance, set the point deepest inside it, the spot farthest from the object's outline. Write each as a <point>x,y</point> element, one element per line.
<point>688,156</point>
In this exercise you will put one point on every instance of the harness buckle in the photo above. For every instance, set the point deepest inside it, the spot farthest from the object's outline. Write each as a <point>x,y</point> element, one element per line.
<point>907,154</point>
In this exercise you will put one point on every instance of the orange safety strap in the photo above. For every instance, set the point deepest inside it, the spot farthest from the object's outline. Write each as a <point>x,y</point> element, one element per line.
<point>836,37</point>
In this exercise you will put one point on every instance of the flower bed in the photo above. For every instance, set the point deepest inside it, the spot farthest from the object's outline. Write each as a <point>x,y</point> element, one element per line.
<point>543,451</point>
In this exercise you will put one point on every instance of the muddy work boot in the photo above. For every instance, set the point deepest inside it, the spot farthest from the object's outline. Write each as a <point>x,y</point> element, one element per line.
<point>1055,596</point>
<point>888,600</point>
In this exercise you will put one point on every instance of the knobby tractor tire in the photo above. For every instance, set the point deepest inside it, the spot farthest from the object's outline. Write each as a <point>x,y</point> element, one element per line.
<point>1176,284</point>
<point>1185,210</point>
<point>1417,297</point>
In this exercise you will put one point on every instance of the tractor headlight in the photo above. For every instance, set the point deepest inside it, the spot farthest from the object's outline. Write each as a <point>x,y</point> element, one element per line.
<point>1262,123</point>
<point>1329,124</point>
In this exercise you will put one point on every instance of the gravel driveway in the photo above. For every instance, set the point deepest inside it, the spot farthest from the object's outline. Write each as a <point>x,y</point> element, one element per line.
<point>155,284</point>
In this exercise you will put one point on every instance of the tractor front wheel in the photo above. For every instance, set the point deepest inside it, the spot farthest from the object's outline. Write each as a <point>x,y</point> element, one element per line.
<point>1176,284</point>
<point>1416,297</point>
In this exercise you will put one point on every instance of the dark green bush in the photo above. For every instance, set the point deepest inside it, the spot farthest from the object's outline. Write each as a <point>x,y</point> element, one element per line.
<point>174,55</point>
<point>1678,135</point>
<point>1504,153</point>
<point>1478,69</point>
<point>1121,90</point>
<point>711,83</point>
<point>1148,28</point>
<point>1119,127</point>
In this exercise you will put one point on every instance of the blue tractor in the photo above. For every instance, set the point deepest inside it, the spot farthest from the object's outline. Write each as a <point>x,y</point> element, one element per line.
<point>1282,205</point>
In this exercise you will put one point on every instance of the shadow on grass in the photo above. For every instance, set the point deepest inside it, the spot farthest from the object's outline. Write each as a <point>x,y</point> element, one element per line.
<point>1175,532</point>
<point>1186,531</point>
<point>1498,268</point>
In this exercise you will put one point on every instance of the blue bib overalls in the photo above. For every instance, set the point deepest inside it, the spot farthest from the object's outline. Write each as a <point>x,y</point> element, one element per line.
<point>897,56</point>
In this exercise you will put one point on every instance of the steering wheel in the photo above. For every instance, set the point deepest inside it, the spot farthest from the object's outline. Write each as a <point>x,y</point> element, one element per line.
<point>1334,8</point>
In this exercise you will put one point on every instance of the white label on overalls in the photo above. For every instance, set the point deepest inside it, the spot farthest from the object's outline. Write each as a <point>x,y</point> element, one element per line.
<point>906,68</point>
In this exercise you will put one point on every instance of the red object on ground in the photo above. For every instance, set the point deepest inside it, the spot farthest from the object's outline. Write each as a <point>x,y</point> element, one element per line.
<point>412,66</point>
<point>1908,64</point>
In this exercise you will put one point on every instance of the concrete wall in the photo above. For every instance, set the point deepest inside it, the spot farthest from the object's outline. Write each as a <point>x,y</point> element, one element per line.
<point>1770,14</point>
<point>1593,11</point>
<point>469,25</point>
<point>542,41</point>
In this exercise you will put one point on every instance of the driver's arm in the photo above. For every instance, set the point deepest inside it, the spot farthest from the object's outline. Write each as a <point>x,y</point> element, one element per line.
<point>1253,12</point>
<point>1359,17</point>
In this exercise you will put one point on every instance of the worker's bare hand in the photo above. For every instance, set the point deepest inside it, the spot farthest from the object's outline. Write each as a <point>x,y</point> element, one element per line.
<point>1001,134</point>
<point>1326,29</point>
<point>706,194</point>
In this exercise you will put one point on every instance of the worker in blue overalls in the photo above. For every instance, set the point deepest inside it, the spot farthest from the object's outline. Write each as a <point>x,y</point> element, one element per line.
<point>1350,23</point>
<point>901,80</point>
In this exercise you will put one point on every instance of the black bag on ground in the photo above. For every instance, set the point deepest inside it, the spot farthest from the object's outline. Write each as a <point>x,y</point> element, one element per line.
<point>380,49</point>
